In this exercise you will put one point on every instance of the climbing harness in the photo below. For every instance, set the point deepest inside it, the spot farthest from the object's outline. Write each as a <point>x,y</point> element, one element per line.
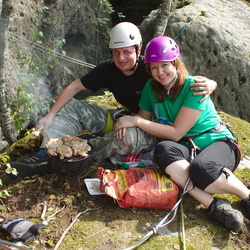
<point>218,127</point>
<point>163,222</point>
<point>193,148</point>
<point>201,13</point>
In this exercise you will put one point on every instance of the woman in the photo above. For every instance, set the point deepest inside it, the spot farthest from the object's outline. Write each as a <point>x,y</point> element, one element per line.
<point>194,142</point>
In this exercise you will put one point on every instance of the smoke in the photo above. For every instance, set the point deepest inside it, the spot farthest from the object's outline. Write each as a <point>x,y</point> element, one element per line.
<point>33,99</point>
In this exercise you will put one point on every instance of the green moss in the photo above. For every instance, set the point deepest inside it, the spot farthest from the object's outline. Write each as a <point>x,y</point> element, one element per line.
<point>241,129</point>
<point>112,227</point>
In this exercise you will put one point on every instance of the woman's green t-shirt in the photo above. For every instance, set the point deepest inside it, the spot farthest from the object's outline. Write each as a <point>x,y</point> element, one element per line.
<point>167,111</point>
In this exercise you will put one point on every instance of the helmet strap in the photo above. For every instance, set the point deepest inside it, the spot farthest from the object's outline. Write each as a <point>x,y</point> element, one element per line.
<point>137,59</point>
<point>174,79</point>
<point>134,67</point>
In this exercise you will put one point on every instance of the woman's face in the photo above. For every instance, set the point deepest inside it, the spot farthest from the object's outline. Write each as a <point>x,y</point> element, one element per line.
<point>163,72</point>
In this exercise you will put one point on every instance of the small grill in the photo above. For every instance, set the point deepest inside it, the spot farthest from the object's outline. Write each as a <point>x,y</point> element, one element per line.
<point>70,159</point>
<point>74,165</point>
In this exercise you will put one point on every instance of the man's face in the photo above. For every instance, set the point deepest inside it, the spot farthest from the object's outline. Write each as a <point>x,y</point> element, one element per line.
<point>125,59</point>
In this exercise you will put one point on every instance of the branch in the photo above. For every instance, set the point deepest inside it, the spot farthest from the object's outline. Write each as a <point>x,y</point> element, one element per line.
<point>73,222</point>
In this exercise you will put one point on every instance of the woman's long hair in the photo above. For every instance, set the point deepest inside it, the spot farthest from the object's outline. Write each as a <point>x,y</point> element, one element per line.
<point>159,89</point>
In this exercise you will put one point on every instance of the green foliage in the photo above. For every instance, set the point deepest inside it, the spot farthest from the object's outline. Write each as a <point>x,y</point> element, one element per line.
<point>100,26</point>
<point>241,129</point>
<point>32,101</point>
<point>4,158</point>
<point>9,170</point>
<point>61,43</point>
<point>107,5</point>
<point>37,59</point>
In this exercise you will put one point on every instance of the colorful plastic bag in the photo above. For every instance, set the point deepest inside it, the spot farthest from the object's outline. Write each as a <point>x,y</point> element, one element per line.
<point>139,187</point>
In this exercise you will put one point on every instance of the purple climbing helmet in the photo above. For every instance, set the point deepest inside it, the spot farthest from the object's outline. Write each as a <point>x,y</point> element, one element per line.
<point>160,49</point>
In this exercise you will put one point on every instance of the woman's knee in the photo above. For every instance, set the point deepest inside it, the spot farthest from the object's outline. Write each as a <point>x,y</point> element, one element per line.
<point>196,169</point>
<point>202,175</point>
<point>167,152</point>
<point>162,150</point>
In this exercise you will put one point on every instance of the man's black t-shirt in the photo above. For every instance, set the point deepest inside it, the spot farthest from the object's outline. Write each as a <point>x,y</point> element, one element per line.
<point>126,89</point>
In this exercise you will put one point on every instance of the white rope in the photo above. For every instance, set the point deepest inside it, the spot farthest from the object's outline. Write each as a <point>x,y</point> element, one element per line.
<point>163,222</point>
<point>51,52</point>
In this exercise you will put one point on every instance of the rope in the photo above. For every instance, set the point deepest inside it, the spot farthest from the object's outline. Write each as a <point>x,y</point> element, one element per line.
<point>162,222</point>
<point>201,13</point>
<point>50,52</point>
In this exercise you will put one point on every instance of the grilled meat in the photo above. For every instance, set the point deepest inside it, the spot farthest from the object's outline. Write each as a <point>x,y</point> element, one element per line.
<point>68,146</point>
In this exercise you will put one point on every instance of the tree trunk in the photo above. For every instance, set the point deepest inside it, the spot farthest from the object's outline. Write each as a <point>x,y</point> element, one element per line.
<point>6,127</point>
<point>166,7</point>
<point>162,19</point>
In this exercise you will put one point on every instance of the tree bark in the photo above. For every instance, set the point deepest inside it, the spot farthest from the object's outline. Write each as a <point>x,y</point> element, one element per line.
<point>6,126</point>
<point>166,7</point>
<point>162,19</point>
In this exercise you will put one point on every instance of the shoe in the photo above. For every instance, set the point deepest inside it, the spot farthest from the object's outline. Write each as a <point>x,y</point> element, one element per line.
<point>222,211</point>
<point>246,207</point>
<point>35,164</point>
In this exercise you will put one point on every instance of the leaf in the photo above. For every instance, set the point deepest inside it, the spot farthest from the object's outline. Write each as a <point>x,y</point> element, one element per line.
<point>4,194</point>
<point>41,34</point>
<point>4,158</point>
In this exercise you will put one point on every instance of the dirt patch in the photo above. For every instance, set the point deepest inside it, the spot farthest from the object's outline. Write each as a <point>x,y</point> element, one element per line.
<point>107,226</point>
<point>102,224</point>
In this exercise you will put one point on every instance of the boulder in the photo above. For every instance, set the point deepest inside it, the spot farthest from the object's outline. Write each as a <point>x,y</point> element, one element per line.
<point>217,45</point>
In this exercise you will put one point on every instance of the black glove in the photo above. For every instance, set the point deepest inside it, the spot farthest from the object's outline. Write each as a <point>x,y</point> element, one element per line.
<point>21,230</point>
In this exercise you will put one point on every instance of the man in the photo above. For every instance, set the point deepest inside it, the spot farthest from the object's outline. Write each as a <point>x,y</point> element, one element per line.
<point>124,76</point>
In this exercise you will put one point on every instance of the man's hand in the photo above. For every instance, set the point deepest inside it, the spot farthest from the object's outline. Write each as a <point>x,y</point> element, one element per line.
<point>44,123</point>
<point>205,85</point>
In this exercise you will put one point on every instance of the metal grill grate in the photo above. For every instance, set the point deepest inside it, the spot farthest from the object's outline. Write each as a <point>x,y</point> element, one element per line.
<point>71,159</point>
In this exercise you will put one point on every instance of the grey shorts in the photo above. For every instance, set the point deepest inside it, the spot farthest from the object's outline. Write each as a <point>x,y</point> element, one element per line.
<point>207,166</point>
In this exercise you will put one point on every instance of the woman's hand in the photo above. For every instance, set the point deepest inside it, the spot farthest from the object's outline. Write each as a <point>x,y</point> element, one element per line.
<point>118,134</point>
<point>123,123</point>
<point>205,85</point>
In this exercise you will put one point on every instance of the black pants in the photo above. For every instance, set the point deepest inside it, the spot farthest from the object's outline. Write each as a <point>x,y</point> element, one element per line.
<point>207,166</point>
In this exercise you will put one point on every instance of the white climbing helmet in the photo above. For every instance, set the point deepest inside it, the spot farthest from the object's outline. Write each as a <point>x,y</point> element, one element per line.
<point>124,34</point>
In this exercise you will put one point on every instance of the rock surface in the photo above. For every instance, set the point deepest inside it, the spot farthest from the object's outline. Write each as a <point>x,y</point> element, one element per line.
<point>215,45</point>
<point>34,26</point>
<point>244,163</point>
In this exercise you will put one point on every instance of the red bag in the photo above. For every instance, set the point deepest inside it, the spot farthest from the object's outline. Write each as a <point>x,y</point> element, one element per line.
<point>139,187</point>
